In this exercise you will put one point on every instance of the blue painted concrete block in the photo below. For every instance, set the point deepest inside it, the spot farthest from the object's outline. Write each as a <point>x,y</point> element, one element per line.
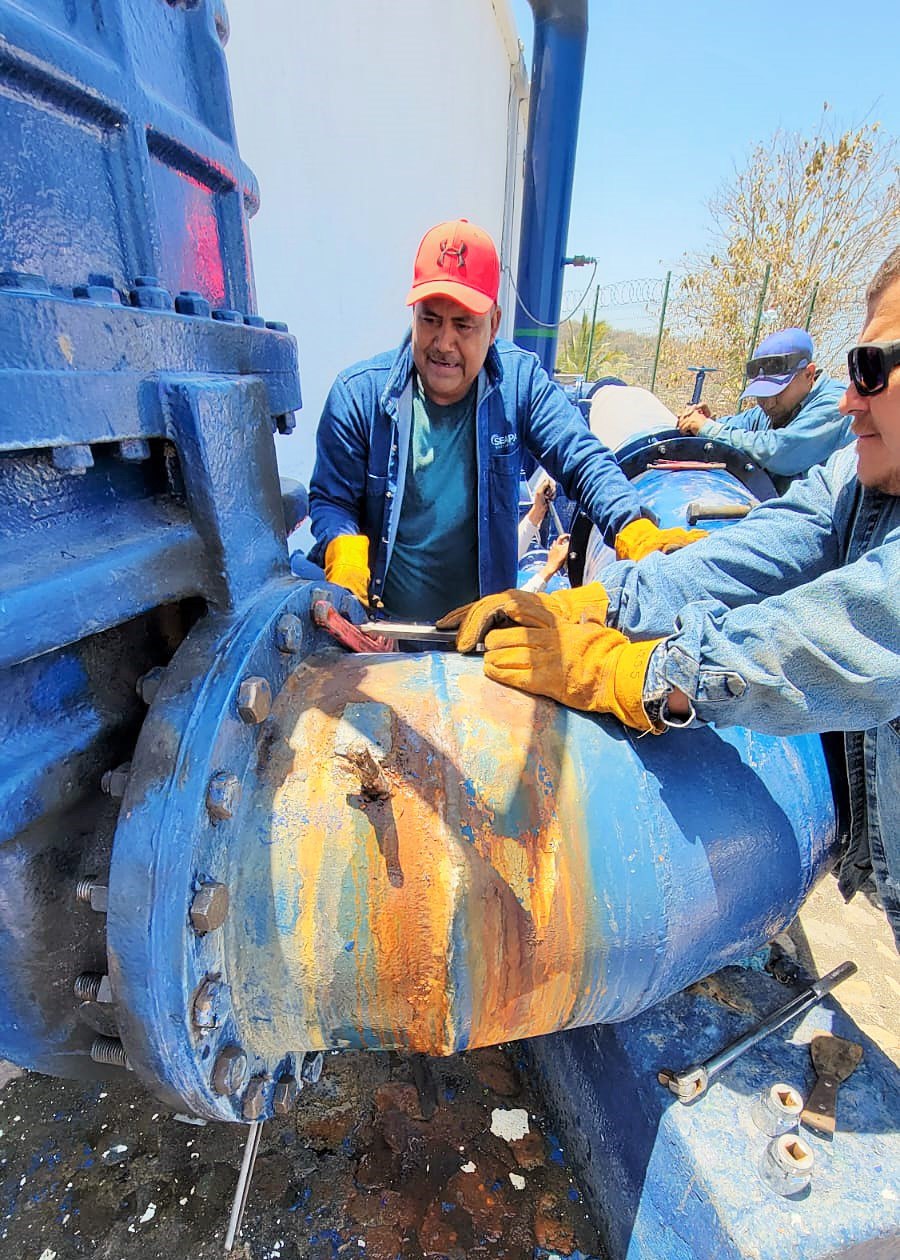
<point>674,1182</point>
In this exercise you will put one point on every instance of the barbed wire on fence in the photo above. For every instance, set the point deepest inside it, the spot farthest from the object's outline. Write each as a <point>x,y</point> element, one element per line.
<point>639,292</point>
<point>648,332</point>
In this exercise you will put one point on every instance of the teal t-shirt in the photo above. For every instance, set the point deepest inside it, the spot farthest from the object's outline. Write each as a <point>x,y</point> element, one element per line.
<point>434,563</point>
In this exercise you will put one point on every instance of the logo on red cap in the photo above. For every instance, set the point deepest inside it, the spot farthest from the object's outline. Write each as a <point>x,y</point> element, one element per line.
<point>457,260</point>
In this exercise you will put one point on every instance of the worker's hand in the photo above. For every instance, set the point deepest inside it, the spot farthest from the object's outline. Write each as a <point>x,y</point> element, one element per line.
<point>585,666</point>
<point>557,555</point>
<point>523,608</point>
<point>639,538</point>
<point>544,495</point>
<point>693,418</point>
<point>347,564</point>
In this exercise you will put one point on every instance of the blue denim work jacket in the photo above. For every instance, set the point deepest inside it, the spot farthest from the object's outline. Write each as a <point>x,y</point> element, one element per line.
<point>815,433</point>
<point>789,622</point>
<point>362,446</point>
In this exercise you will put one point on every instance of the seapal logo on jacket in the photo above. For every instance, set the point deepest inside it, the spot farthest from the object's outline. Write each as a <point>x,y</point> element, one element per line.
<point>503,441</point>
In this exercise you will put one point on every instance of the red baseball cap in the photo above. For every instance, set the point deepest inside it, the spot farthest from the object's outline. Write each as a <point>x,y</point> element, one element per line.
<point>457,260</point>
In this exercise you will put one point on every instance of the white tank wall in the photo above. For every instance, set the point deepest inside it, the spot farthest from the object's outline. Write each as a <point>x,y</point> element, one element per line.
<point>366,122</point>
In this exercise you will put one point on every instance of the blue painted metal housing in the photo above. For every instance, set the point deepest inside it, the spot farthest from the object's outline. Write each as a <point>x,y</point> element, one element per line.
<point>139,391</point>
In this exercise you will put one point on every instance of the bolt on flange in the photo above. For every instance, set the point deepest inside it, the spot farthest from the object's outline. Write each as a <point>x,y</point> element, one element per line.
<point>148,684</point>
<point>254,700</point>
<point>114,782</point>
<point>288,634</point>
<point>229,1071</point>
<point>111,1051</point>
<point>210,1002</point>
<point>92,986</point>
<point>222,795</point>
<point>209,908</point>
<point>255,1098</point>
<point>285,1094</point>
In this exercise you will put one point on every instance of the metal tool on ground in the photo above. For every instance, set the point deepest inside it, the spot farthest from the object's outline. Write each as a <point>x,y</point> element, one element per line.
<point>692,1082</point>
<point>242,1189</point>
<point>834,1059</point>
<point>777,1109</point>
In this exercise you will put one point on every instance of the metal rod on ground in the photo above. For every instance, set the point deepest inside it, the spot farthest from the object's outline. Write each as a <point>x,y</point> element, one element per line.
<point>758,320</point>
<point>590,349</point>
<point>812,304</point>
<point>659,335</point>
<point>243,1186</point>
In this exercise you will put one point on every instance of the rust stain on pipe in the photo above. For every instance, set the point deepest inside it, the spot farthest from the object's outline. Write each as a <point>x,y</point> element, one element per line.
<point>449,911</point>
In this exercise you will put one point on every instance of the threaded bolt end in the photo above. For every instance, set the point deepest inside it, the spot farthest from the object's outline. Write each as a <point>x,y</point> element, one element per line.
<point>109,1050</point>
<point>87,986</point>
<point>83,889</point>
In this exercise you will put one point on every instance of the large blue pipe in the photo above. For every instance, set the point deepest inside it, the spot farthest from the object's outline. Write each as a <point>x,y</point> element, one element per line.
<point>557,72</point>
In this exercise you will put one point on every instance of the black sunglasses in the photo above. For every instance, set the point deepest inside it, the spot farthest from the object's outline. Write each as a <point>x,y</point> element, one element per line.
<point>776,364</point>
<point>870,365</point>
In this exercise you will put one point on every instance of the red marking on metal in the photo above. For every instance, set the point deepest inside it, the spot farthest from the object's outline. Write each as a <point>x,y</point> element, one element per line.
<point>679,465</point>
<point>327,617</point>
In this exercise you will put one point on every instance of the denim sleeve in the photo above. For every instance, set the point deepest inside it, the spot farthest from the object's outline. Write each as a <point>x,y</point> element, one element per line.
<point>782,544</point>
<point>815,434</point>
<point>338,484</point>
<point>558,437</point>
<point>822,657</point>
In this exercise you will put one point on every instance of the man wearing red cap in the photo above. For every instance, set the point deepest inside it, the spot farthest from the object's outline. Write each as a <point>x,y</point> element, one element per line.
<point>415,493</point>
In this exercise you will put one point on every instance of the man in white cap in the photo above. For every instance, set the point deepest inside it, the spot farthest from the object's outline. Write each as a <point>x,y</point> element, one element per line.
<point>795,424</point>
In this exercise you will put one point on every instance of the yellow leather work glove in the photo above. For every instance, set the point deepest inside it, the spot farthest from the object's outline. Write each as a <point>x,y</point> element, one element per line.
<point>347,564</point>
<point>639,538</point>
<point>524,608</point>
<point>585,666</point>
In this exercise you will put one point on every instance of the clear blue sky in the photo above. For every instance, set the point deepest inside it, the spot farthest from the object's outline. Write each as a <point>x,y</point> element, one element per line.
<point>676,94</point>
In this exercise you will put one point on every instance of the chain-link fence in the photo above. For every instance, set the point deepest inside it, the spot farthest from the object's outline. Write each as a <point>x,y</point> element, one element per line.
<point>648,332</point>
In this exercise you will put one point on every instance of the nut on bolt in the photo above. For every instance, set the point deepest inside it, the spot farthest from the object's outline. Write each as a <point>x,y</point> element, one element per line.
<point>311,1068</point>
<point>285,1095</point>
<point>255,1098</point>
<point>222,795</point>
<point>288,633</point>
<point>254,702</point>
<point>209,909</point>
<point>148,684</point>
<point>114,782</point>
<point>229,1071</point>
<point>210,1001</point>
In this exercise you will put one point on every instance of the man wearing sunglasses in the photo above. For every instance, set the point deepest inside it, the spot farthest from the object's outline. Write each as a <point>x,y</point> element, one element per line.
<point>796,422</point>
<point>788,622</point>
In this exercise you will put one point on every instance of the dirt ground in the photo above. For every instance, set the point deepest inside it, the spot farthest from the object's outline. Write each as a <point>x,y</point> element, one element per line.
<point>369,1166</point>
<point>826,932</point>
